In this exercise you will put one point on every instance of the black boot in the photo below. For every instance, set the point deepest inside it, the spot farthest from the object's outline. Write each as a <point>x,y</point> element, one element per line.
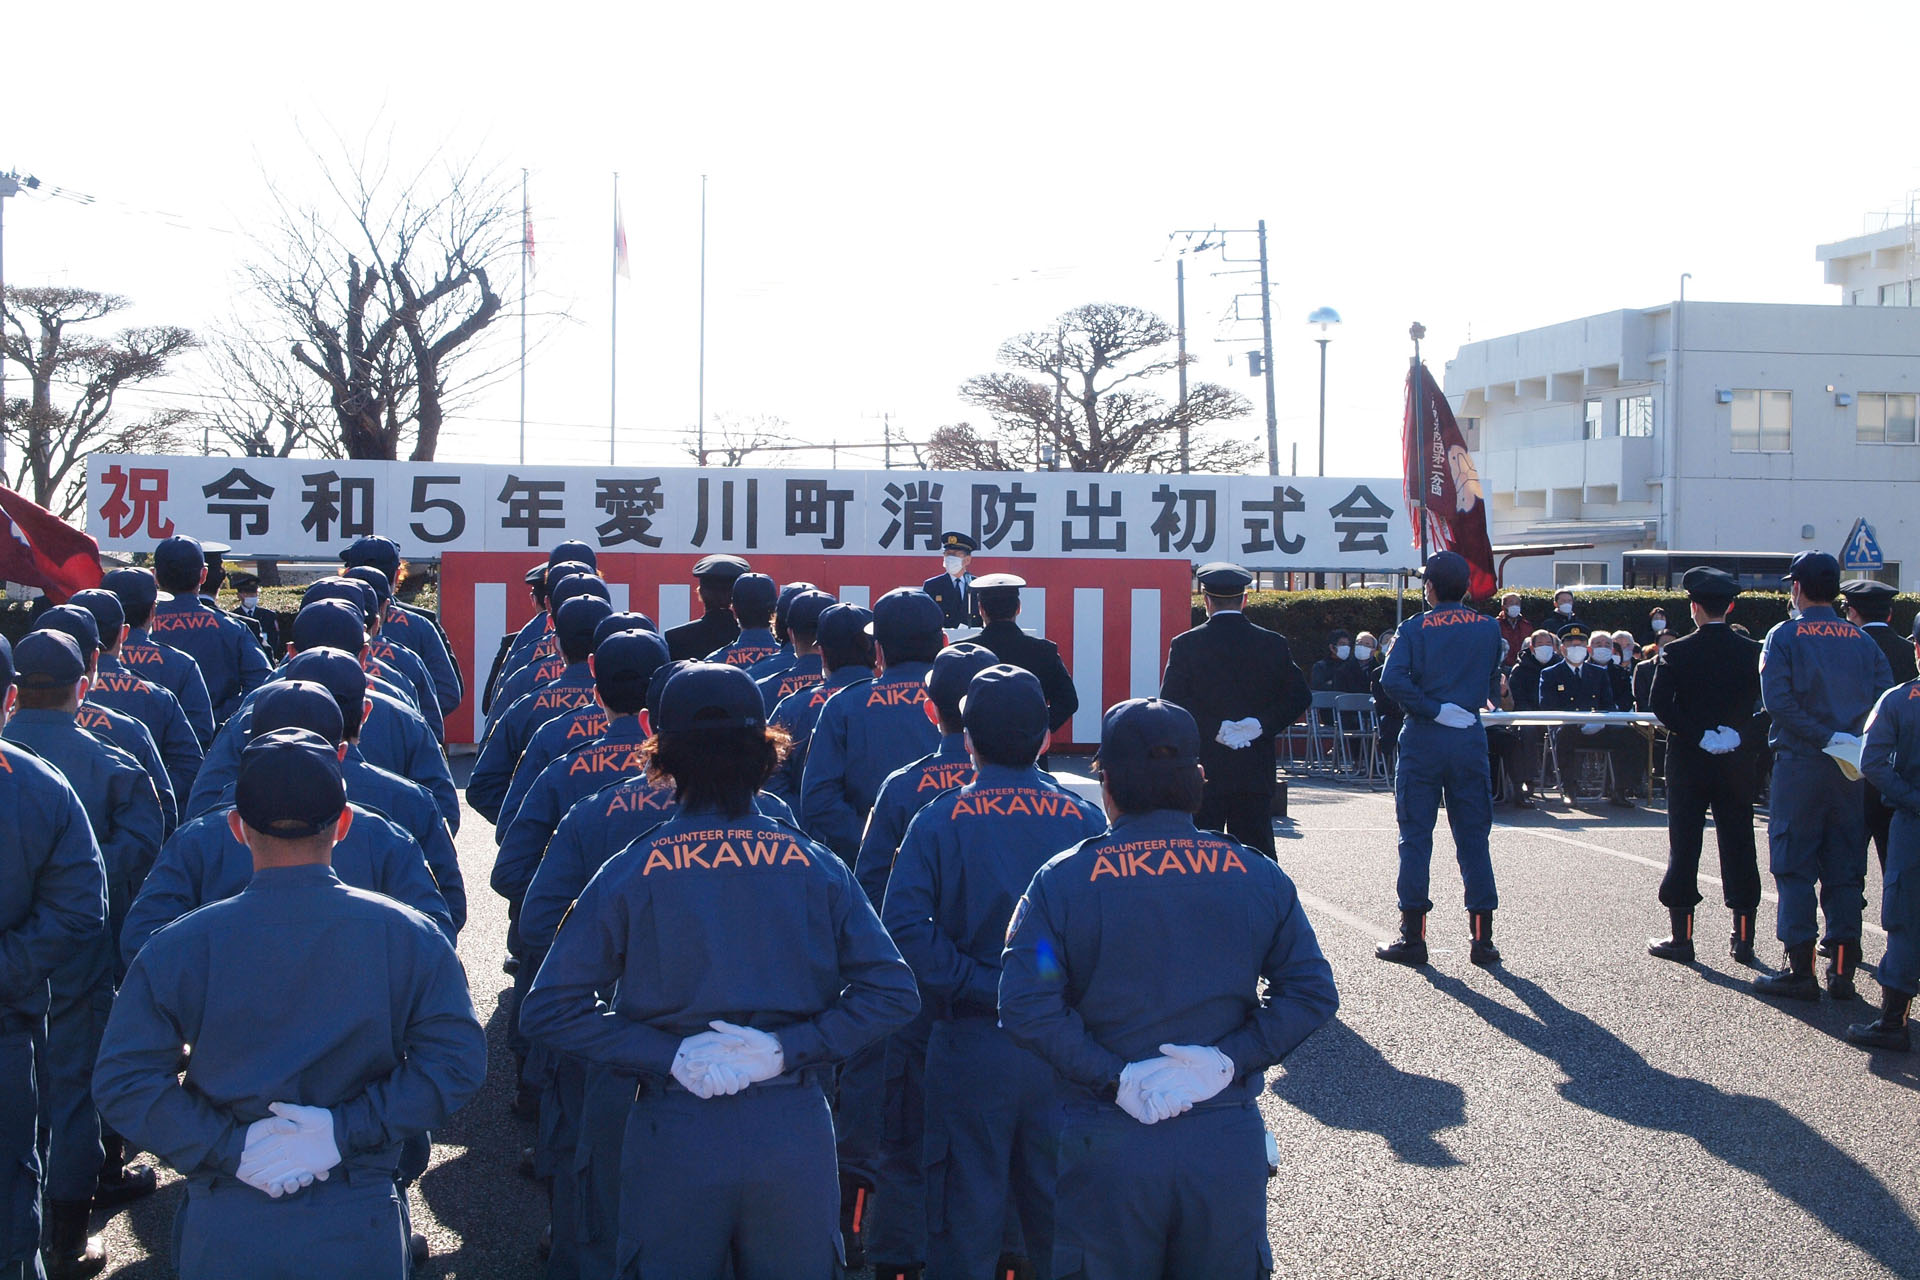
<point>1846,958</point>
<point>1410,948</point>
<point>856,1194</point>
<point>1797,983</point>
<point>120,1182</point>
<point>1484,953</point>
<point>1679,944</point>
<point>70,1251</point>
<point>1740,941</point>
<point>1889,1030</point>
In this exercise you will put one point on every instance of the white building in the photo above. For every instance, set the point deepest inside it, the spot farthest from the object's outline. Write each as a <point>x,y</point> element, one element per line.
<point>1705,426</point>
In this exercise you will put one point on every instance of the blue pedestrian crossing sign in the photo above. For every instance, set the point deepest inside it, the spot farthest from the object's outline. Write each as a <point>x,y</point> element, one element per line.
<point>1861,554</point>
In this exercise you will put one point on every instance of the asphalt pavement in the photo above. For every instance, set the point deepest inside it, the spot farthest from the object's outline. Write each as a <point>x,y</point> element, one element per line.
<point>1585,1110</point>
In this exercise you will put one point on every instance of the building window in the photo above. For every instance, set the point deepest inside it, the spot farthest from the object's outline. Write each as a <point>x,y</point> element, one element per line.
<point>1579,573</point>
<point>1593,428</point>
<point>1762,421</point>
<point>1633,415</point>
<point>1884,419</point>
<point>1897,295</point>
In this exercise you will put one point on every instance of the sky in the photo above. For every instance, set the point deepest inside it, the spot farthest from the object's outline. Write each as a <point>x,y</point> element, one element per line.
<point>894,190</point>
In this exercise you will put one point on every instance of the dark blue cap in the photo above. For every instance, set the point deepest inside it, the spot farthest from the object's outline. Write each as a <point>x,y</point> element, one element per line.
<point>297,704</point>
<point>1143,735</point>
<point>657,683</point>
<point>330,624</point>
<point>842,624</point>
<point>785,602</point>
<point>578,584</point>
<point>574,622</point>
<point>373,577</point>
<point>373,550</point>
<point>1223,578</point>
<point>628,659</point>
<point>1709,585</point>
<point>47,660</point>
<point>72,620</point>
<point>1005,711</point>
<point>709,695</point>
<point>576,551</point>
<point>290,784</point>
<point>755,592</point>
<point>804,610</point>
<point>721,568</point>
<point>955,542</point>
<point>904,615</point>
<point>622,622</point>
<point>6,663</point>
<point>1448,571</point>
<point>179,555</point>
<point>559,573</point>
<point>952,669</point>
<point>339,673</point>
<point>135,587</point>
<point>1817,573</point>
<point>351,590</point>
<point>109,615</point>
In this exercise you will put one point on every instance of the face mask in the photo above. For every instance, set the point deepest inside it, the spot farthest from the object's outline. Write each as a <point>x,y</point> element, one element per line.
<point>1513,611</point>
<point>1363,651</point>
<point>1343,652</point>
<point>1659,625</point>
<point>248,602</point>
<point>1601,657</point>
<point>1566,609</point>
<point>1543,653</point>
<point>952,564</point>
<point>1576,654</point>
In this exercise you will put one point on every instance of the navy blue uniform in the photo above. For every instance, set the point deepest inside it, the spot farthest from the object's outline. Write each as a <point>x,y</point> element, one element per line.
<point>543,670</point>
<point>1159,933</point>
<point>865,732</point>
<point>229,658</point>
<point>118,729</point>
<point>203,863</point>
<point>563,733</point>
<point>512,730</point>
<point>180,749</point>
<point>1449,654</point>
<point>790,946</point>
<point>417,632</point>
<point>798,713</point>
<point>1819,675</point>
<point>574,776</point>
<point>124,811</point>
<point>299,989</point>
<point>779,660</point>
<point>787,679</point>
<point>392,736</point>
<point>755,644</point>
<point>411,676</point>
<point>175,672</point>
<point>959,607</point>
<point>1891,762</point>
<point>53,907</point>
<point>990,1104</point>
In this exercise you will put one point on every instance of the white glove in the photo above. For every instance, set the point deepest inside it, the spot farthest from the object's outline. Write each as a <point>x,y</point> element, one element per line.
<point>1843,741</point>
<point>285,1157</point>
<point>1591,728</point>
<point>1454,717</point>
<point>1719,742</point>
<point>755,1053</point>
<point>1238,734</point>
<point>1144,1094</point>
<point>1201,1071</point>
<point>703,1068</point>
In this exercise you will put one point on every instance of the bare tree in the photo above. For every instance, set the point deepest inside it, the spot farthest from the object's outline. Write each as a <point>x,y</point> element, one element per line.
<point>385,286</point>
<point>1091,403</point>
<point>43,337</point>
<point>731,441</point>
<point>265,406</point>
<point>958,447</point>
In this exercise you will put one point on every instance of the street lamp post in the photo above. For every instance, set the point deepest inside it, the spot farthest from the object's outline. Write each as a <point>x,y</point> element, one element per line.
<point>1326,318</point>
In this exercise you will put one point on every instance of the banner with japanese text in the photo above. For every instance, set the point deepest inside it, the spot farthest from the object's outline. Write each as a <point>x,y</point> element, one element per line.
<point>294,508</point>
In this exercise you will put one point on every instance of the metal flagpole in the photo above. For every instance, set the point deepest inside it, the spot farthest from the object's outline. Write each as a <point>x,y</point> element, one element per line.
<point>525,223</point>
<point>1424,457</point>
<point>613,358</point>
<point>700,418</point>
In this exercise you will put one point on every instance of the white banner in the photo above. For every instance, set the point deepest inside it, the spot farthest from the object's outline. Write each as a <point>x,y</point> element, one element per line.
<point>311,508</point>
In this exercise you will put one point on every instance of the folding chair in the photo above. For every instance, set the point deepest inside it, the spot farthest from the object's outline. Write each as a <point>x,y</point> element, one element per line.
<point>1358,728</point>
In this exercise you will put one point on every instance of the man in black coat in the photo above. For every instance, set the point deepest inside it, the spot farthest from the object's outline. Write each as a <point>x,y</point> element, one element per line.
<point>953,587</point>
<point>1706,689</point>
<point>716,627</point>
<point>998,598</point>
<point>1240,683</point>
<point>1870,607</point>
<point>1575,683</point>
<point>272,624</point>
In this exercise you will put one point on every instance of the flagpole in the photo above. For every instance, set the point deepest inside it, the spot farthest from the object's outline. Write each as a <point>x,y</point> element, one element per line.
<point>525,224</point>
<point>1417,332</point>
<point>700,437</point>
<point>613,357</point>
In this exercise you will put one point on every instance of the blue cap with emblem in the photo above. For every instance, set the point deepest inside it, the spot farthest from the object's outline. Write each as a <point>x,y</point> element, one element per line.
<point>574,622</point>
<point>705,696</point>
<point>954,667</point>
<point>804,610</point>
<point>373,577</point>
<point>622,622</point>
<point>624,662</point>
<point>339,673</point>
<point>1449,573</point>
<point>72,620</point>
<point>1142,735</point>
<point>1817,573</point>
<point>842,624</point>
<point>109,615</point>
<point>576,551</point>
<point>297,704</point>
<point>331,624</point>
<point>755,593</point>
<point>179,555</point>
<point>47,660</point>
<point>290,784</point>
<point>904,615</point>
<point>1005,711</point>
<point>374,550</point>
<point>956,543</point>
<point>348,590</point>
<point>135,587</point>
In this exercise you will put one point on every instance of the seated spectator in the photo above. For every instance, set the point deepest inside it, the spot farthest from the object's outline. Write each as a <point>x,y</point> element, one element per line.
<point>1537,652</point>
<point>1626,652</point>
<point>1577,684</point>
<point>1514,628</point>
<point>1563,615</point>
<point>1657,623</point>
<point>1339,671</point>
<point>1366,650</point>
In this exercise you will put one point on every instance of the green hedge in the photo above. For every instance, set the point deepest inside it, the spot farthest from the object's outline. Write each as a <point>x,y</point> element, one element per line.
<point>1305,617</point>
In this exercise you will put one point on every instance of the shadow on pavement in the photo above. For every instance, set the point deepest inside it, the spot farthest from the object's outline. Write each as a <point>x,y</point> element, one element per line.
<point>1344,1082</point>
<point>1756,1135</point>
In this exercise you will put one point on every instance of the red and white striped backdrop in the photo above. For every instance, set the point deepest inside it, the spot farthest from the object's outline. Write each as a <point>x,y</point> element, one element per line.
<point>1111,617</point>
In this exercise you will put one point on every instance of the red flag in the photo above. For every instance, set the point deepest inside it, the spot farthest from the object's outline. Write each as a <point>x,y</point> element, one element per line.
<point>1456,510</point>
<point>39,549</point>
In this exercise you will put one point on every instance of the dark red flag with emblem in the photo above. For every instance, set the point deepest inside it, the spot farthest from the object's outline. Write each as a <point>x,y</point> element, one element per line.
<point>39,549</point>
<point>1439,467</point>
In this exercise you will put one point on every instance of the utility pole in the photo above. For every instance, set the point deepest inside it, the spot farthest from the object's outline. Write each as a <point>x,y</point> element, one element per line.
<point>1180,334</point>
<point>10,184</point>
<point>886,442</point>
<point>701,394</point>
<point>1266,343</point>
